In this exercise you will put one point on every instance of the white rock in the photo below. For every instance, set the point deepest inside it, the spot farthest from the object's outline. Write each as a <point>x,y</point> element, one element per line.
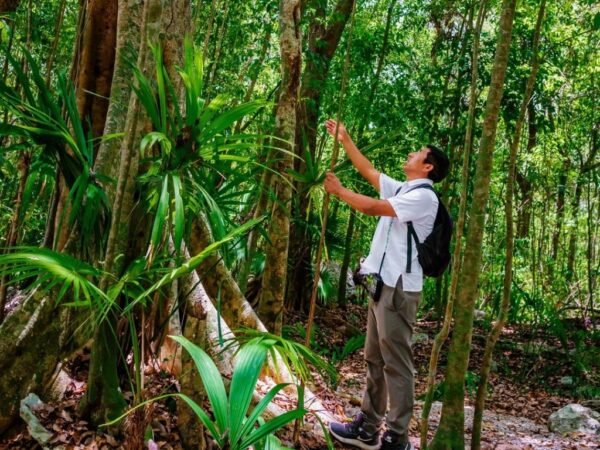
<point>575,418</point>
<point>566,381</point>
<point>419,337</point>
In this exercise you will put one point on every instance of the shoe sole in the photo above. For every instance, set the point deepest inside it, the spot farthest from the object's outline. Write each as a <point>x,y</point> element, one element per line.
<point>355,442</point>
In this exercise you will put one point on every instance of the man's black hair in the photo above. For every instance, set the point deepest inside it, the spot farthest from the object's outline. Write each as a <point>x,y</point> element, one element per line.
<point>439,161</point>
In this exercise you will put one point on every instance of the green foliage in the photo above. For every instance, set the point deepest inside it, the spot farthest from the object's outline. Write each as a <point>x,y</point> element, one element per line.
<point>234,426</point>
<point>352,345</point>
<point>191,148</point>
<point>38,119</point>
<point>295,356</point>
<point>45,269</point>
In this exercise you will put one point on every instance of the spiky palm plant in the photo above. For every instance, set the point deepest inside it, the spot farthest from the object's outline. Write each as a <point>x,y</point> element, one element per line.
<point>196,163</point>
<point>51,121</point>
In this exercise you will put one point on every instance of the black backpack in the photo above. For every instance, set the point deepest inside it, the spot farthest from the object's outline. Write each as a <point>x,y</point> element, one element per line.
<point>434,251</point>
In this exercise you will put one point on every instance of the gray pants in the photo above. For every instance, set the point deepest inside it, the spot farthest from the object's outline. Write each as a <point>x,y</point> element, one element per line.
<point>388,352</point>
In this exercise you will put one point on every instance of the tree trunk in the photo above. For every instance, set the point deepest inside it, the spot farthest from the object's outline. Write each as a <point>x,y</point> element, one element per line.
<point>190,428</point>
<point>103,400</point>
<point>510,187</point>
<point>127,47</point>
<point>9,6</point>
<point>219,283</point>
<point>450,434</point>
<point>95,59</point>
<point>441,337</point>
<point>560,207</point>
<point>209,27</point>
<point>217,54</point>
<point>33,339</point>
<point>322,43</point>
<point>343,281</point>
<point>57,31</point>
<point>271,297</point>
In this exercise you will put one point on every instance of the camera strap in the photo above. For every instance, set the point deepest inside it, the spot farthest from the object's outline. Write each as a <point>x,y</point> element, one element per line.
<point>387,238</point>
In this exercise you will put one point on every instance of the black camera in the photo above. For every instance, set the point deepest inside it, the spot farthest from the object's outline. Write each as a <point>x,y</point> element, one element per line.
<point>371,282</point>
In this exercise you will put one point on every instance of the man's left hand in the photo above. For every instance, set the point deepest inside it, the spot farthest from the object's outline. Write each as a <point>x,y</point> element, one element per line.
<point>332,184</point>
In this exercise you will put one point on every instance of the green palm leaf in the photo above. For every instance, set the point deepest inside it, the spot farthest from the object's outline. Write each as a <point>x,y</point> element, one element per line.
<point>213,384</point>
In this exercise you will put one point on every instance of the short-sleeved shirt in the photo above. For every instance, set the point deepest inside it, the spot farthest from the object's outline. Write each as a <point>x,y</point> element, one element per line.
<point>418,206</point>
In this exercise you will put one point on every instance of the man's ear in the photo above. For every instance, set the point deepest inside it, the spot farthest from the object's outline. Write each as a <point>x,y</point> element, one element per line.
<point>428,167</point>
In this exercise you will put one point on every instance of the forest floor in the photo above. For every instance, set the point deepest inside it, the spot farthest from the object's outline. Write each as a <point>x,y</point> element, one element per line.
<point>525,388</point>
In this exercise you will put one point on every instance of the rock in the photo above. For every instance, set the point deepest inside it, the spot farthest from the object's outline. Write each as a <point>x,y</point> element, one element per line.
<point>34,426</point>
<point>479,314</point>
<point>420,338</point>
<point>60,384</point>
<point>566,381</point>
<point>334,270</point>
<point>575,418</point>
<point>494,366</point>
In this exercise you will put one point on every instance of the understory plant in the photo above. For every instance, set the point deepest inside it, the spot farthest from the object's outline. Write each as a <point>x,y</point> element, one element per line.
<point>234,426</point>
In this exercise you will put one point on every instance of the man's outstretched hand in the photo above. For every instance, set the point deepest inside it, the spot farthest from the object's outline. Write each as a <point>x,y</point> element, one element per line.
<point>342,134</point>
<point>332,184</point>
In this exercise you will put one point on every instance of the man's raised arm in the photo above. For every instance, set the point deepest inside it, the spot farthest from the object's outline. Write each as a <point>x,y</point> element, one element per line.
<point>362,164</point>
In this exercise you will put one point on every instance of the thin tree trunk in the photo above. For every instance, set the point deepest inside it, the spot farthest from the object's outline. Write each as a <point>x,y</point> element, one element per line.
<point>460,225</point>
<point>510,187</point>
<point>560,207</point>
<point>256,70</point>
<point>591,277</point>
<point>57,29</point>
<point>576,199</point>
<point>525,185</point>
<point>211,21</point>
<point>450,434</point>
<point>253,236</point>
<point>9,6</point>
<point>343,281</point>
<point>11,241</point>
<point>217,54</point>
<point>271,297</point>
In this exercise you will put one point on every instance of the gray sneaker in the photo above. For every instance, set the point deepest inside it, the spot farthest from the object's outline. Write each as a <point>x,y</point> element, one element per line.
<point>353,433</point>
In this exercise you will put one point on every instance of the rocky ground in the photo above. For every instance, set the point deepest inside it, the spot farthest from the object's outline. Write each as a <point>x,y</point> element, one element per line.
<point>526,386</point>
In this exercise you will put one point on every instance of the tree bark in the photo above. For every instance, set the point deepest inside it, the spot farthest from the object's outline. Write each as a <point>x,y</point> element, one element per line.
<point>441,337</point>
<point>9,6</point>
<point>103,400</point>
<point>346,260</point>
<point>450,434</point>
<point>219,283</point>
<point>271,297</point>
<point>323,41</point>
<point>560,207</point>
<point>510,188</point>
<point>95,63</point>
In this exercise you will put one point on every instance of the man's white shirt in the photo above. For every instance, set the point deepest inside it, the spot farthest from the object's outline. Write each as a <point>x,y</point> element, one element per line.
<point>418,206</point>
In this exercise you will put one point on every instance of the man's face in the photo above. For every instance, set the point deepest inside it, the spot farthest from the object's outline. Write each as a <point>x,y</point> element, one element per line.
<point>415,163</point>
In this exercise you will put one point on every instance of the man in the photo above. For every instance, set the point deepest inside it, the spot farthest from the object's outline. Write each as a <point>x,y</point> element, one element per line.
<point>388,351</point>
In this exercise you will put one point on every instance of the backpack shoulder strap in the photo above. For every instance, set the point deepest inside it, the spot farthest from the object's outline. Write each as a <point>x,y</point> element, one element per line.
<point>423,186</point>
<point>411,229</point>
